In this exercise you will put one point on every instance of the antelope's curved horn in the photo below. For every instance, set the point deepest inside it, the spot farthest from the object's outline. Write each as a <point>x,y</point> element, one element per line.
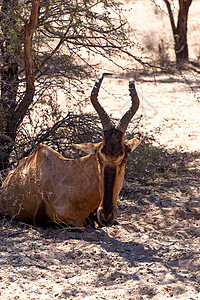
<point>125,120</point>
<point>105,119</point>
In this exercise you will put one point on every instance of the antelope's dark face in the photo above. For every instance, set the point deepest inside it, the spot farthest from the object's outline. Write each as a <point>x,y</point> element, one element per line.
<point>111,157</point>
<point>111,154</point>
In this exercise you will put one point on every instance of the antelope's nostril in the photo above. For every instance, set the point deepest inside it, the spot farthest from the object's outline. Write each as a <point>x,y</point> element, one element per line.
<point>106,221</point>
<point>110,220</point>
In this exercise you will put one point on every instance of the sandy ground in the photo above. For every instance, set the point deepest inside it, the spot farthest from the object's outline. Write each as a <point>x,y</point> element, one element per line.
<point>154,250</point>
<point>152,253</point>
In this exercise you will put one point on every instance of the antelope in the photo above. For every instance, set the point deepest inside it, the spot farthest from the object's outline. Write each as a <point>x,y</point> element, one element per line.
<point>46,186</point>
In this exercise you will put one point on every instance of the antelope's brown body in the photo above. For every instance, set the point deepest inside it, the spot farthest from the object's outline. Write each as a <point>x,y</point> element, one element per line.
<point>47,186</point>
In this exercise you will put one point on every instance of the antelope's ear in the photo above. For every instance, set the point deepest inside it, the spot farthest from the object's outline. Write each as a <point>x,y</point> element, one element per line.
<point>132,144</point>
<point>89,148</point>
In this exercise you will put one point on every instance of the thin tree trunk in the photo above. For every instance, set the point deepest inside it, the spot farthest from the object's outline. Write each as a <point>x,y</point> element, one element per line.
<point>180,31</point>
<point>181,45</point>
<point>13,117</point>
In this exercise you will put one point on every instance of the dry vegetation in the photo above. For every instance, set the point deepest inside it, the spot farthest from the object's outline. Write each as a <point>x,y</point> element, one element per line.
<point>154,250</point>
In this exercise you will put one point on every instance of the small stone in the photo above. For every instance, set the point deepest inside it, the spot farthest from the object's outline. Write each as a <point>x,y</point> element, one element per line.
<point>167,202</point>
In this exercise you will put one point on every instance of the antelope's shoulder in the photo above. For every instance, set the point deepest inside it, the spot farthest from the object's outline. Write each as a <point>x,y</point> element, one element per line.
<point>44,152</point>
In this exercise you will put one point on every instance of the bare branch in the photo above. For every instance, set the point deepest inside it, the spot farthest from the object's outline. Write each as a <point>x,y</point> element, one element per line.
<point>171,17</point>
<point>20,16</point>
